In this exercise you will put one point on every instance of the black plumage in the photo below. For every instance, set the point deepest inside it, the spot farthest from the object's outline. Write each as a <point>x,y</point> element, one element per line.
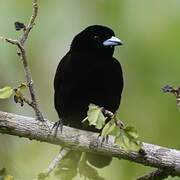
<point>88,73</point>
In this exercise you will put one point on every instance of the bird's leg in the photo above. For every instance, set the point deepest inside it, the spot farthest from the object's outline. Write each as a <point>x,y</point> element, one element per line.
<point>57,125</point>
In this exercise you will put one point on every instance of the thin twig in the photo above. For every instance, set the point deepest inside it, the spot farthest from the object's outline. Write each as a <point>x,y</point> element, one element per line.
<point>157,174</point>
<point>62,153</point>
<point>31,23</point>
<point>175,92</point>
<point>28,102</point>
<point>111,115</point>
<point>20,43</point>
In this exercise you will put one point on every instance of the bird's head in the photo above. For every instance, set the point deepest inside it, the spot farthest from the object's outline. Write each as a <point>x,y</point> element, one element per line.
<point>96,39</point>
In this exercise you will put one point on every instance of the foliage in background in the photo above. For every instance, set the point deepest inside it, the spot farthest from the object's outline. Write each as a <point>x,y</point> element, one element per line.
<point>150,59</point>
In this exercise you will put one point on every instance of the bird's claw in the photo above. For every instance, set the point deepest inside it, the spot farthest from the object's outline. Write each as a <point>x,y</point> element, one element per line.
<point>104,139</point>
<point>57,125</point>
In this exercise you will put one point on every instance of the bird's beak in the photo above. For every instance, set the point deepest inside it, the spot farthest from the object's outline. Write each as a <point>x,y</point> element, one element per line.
<point>113,41</point>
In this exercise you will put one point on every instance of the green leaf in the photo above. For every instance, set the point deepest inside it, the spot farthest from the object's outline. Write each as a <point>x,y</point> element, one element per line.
<point>22,86</point>
<point>6,92</point>
<point>95,116</point>
<point>127,139</point>
<point>132,132</point>
<point>108,128</point>
<point>8,177</point>
<point>115,132</point>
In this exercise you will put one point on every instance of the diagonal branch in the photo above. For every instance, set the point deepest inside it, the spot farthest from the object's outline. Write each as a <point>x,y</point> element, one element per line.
<point>55,162</point>
<point>175,92</point>
<point>20,43</point>
<point>157,175</point>
<point>153,155</point>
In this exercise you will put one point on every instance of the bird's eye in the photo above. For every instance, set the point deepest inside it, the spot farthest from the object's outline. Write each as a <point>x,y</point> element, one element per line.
<point>96,38</point>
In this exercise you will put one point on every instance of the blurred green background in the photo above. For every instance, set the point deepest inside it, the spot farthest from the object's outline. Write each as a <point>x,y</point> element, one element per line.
<point>150,59</point>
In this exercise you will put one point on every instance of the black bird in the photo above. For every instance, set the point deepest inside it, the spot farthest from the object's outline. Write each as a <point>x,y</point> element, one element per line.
<point>88,73</point>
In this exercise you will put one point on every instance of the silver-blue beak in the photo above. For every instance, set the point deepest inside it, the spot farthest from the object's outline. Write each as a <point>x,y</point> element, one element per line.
<point>113,41</point>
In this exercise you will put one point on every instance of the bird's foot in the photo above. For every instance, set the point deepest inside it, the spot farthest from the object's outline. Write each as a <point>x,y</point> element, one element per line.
<point>104,139</point>
<point>57,125</point>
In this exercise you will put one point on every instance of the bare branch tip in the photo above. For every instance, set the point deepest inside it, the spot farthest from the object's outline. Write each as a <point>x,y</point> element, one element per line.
<point>2,39</point>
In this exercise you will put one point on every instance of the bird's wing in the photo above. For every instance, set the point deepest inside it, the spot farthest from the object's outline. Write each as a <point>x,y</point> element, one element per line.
<point>58,80</point>
<point>70,83</point>
<point>116,82</point>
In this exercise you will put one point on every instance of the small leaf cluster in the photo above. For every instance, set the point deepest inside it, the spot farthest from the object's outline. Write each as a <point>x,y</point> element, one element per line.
<point>7,91</point>
<point>75,162</point>
<point>18,97</point>
<point>125,137</point>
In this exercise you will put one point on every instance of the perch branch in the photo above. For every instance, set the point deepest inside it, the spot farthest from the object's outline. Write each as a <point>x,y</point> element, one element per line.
<point>154,155</point>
